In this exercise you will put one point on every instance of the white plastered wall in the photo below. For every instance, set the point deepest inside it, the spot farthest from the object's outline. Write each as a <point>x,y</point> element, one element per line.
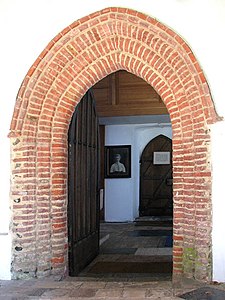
<point>122,195</point>
<point>27,27</point>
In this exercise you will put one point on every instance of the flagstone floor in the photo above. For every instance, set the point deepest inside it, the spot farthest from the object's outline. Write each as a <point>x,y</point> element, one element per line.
<point>126,249</point>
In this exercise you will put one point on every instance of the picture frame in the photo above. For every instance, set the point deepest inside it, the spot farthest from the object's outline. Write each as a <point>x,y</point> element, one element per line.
<point>118,161</point>
<point>161,158</point>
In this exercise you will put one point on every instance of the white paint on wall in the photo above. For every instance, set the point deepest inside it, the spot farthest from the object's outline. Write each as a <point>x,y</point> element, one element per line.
<point>122,195</point>
<point>118,200</point>
<point>27,27</point>
<point>218,240</point>
<point>5,257</point>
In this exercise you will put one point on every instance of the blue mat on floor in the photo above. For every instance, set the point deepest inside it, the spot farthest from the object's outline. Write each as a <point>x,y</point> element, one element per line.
<point>117,250</point>
<point>137,233</point>
<point>169,241</point>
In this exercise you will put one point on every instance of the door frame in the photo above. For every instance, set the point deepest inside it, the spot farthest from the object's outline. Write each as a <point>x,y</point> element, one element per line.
<point>47,101</point>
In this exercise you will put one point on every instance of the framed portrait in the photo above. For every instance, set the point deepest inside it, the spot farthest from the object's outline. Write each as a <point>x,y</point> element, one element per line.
<point>118,161</point>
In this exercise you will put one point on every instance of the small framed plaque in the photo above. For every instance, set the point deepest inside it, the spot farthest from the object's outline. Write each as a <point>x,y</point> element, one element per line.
<point>161,158</point>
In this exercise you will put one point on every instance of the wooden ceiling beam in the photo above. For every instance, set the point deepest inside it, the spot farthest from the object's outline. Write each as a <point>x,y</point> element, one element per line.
<point>122,93</point>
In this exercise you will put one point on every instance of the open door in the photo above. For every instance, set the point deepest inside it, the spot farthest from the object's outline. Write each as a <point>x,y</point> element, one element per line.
<point>156,186</point>
<point>83,185</point>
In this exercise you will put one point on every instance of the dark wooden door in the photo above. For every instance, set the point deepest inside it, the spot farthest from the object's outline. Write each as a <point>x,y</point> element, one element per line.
<point>83,185</point>
<point>156,179</point>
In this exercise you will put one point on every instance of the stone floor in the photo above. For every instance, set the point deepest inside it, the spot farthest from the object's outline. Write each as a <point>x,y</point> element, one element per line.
<point>81,288</point>
<point>124,244</point>
<point>119,243</point>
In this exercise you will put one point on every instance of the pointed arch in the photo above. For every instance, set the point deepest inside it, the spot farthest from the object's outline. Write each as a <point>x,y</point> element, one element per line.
<point>78,57</point>
<point>161,136</point>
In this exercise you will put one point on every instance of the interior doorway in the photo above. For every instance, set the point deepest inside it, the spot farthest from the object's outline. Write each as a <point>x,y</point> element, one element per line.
<point>156,191</point>
<point>132,243</point>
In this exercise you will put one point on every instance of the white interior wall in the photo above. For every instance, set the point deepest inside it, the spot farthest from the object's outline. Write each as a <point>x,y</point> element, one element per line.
<point>122,194</point>
<point>118,192</point>
<point>26,28</point>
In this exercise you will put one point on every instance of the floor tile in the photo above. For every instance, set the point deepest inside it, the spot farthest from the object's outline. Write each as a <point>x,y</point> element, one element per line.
<point>154,251</point>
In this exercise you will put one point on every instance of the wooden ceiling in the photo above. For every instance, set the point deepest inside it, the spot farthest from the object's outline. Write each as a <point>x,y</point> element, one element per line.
<point>124,94</point>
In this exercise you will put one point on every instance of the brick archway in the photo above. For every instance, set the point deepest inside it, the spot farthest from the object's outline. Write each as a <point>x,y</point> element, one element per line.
<point>78,57</point>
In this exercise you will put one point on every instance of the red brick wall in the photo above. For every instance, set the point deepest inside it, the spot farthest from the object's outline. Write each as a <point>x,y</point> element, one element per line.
<point>77,58</point>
